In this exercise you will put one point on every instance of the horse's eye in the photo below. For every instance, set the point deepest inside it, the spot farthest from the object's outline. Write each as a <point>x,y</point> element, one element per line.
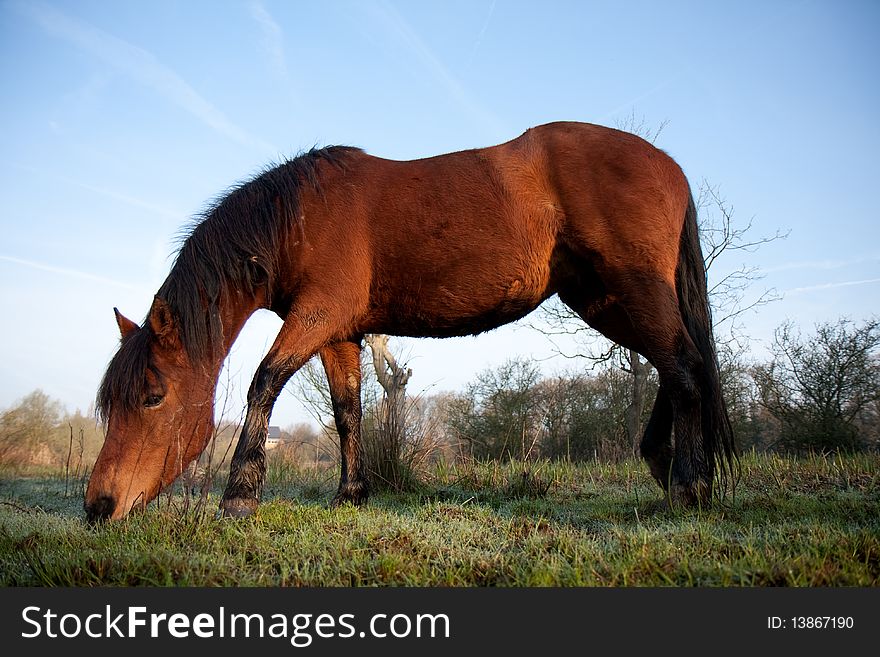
<point>152,401</point>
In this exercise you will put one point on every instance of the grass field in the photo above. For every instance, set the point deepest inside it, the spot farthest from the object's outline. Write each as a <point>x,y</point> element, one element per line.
<point>791,522</point>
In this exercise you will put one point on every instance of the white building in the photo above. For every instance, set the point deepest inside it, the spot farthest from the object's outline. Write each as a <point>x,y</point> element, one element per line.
<point>273,439</point>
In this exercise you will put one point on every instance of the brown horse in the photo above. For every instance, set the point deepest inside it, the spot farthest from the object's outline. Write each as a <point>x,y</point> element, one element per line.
<point>340,244</point>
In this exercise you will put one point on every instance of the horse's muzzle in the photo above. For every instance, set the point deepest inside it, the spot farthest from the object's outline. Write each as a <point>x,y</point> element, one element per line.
<point>101,509</point>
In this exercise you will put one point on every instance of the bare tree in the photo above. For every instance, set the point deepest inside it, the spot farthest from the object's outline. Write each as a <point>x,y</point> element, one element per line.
<point>820,388</point>
<point>384,445</point>
<point>724,242</point>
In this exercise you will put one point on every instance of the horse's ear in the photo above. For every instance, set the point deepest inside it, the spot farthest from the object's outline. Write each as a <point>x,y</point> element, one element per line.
<point>126,326</point>
<point>162,321</point>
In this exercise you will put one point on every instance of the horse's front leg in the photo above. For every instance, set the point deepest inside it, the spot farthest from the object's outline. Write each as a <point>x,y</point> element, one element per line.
<point>296,342</point>
<point>342,363</point>
<point>247,471</point>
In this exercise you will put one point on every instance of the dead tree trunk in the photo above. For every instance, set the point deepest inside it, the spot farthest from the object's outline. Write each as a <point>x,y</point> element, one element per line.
<point>634,412</point>
<point>392,410</point>
<point>390,375</point>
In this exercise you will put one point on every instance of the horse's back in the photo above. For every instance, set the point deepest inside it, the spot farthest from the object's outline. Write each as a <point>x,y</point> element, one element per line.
<point>464,242</point>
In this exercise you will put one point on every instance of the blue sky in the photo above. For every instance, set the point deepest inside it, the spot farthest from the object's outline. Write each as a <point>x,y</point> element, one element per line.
<point>121,120</point>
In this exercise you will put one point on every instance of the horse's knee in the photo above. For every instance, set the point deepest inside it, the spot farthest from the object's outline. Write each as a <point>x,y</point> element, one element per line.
<point>268,381</point>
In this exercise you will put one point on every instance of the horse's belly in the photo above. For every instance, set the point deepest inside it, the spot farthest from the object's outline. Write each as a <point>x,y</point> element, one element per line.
<point>455,308</point>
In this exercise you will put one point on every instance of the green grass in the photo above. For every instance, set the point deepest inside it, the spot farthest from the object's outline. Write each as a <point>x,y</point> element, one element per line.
<point>791,522</point>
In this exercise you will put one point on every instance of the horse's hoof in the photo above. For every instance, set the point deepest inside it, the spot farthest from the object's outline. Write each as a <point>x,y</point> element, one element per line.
<point>695,495</point>
<point>355,493</point>
<point>237,508</point>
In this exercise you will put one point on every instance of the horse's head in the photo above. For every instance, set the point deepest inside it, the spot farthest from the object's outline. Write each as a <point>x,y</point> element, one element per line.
<point>158,409</point>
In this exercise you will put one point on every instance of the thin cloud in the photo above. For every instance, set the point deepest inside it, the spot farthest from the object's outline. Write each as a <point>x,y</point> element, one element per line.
<point>482,33</point>
<point>823,265</point>
<point>64,271</point>
<point>130,200</point>
<point>103,191</point>
<point>630,104</point>
<point>831,286</point>
<point>399,27</point>
<point>139,64</point>
<point>273,37</point>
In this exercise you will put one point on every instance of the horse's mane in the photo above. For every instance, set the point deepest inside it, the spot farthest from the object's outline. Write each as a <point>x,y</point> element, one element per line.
<point>232,246</point>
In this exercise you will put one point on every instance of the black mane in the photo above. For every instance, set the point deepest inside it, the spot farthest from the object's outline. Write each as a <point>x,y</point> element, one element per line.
<point>233,245</point>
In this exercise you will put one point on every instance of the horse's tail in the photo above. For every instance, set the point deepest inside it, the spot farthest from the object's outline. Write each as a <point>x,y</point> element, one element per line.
<point>693,301</point>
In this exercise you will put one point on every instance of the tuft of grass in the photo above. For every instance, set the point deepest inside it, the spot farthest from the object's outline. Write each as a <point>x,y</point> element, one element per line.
<point>793,522</point>
<point>527,483</point>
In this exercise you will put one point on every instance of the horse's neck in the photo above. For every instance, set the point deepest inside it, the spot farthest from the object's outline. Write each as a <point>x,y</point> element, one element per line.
<point>234,315</point>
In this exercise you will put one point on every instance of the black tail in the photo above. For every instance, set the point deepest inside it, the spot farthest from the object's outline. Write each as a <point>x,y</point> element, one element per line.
<point>693,302</point>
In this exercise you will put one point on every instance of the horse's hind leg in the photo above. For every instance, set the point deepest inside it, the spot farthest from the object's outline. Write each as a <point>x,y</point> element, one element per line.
<point>652,306</point>
<point>645,316</point>
<point>342,363</point>
<point>613,322</point>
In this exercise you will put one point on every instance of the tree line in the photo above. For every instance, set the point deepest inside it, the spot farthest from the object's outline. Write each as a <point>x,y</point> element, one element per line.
<point>37,431</point>
<point>815,393</point>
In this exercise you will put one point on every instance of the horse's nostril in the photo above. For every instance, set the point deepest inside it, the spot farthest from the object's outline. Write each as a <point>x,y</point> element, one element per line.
<point>101,509</point>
